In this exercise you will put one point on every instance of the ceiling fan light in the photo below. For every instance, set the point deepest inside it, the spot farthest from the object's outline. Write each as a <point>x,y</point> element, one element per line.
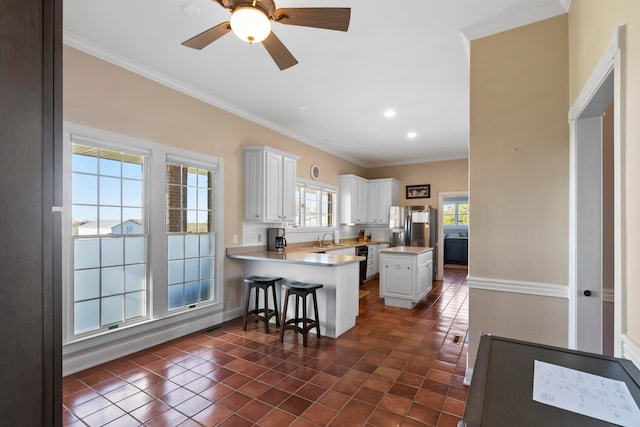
<point>250,24</point>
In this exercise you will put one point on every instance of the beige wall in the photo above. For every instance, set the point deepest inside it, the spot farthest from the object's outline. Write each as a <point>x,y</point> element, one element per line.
<point>518,174</point>
<point>451,175</point>
<point>591,25</point>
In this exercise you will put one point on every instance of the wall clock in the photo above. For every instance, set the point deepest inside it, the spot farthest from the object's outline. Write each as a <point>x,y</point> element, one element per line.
<point>315,172</point>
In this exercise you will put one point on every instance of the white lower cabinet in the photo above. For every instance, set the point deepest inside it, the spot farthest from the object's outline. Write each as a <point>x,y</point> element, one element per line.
<point>405,275</point>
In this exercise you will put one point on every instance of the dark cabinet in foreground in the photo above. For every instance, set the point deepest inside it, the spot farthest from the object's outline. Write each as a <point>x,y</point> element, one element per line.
<point>456,250</point>
<point>501,392</point>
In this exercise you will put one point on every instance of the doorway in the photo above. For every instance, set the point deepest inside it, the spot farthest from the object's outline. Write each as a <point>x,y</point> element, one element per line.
<point>453,232</point>
<point>595,208</point>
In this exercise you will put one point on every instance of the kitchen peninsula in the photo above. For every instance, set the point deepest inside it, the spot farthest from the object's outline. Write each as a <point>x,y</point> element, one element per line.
<point>339,275</point>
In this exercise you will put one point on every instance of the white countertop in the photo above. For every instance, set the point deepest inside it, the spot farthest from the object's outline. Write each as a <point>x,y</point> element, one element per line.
<point>410,250</point>
<point>308,258</point>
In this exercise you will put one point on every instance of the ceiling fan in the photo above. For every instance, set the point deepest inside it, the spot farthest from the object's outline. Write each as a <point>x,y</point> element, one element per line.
<point>251,22</point>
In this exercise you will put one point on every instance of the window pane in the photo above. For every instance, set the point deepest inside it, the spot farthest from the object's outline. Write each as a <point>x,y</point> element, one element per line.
<point>134,250</point>
<point>190,269</point>
<point>203,221</point>
<point>134,305</point>
<point>203,198</point>
<point>176,247</point>
<point>133,214</point>
<point>110,162</point>
<point>191,246</point>
<point>134,277</point>
<point>86,284</point>
<point>86,253</point>
<point>82,214</point>
<point>131,192</point>
<point>112,251</point>
<point>112,281</point>
<point>110,191</point>
<point>192,177</point>
<point>175,297</point>
<point>112,310</point>
<point>84,189</point>
<point>176,271</point>
<point>190,293</point>
<point>204,178</point>
<point>206,268</point>
<point>205,289</point>
<point>84,159</point>
<point>206,245</point>
<point>192,198</point>
<point>132,167</point>
<point>86,316</point>
<point>109,218</point>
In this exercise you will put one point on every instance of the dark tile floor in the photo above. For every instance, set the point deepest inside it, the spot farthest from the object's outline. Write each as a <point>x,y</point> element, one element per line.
<point>396,367</point>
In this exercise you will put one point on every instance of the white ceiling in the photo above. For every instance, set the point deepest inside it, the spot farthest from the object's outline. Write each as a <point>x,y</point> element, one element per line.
<point>409,56</point>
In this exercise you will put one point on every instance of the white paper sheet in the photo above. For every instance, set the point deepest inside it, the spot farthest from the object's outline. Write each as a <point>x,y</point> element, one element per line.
<point>587,394</point>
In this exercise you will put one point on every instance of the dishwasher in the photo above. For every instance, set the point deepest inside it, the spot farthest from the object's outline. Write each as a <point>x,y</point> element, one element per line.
<point>363,251</point>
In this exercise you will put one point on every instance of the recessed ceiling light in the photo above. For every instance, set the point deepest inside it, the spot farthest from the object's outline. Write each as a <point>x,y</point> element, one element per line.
<point>190,9</point>
<point>411,135</point>
<point>389,114</point>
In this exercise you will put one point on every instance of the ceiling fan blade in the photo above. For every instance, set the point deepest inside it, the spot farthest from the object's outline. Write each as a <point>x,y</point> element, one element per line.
<point>280,54</point>
<point>330,18</point>
<point>207,37</point>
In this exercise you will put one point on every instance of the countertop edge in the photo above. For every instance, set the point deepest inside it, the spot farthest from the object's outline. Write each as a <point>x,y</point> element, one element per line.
<point>307,258</point>
<point>407,250</point>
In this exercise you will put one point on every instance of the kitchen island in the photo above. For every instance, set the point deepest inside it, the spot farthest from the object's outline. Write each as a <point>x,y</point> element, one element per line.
<point>406,274</point>
<point>339,274</point>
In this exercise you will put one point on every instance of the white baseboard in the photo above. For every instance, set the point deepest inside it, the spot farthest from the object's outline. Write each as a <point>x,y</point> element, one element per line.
<point>630,350</point>
<point>468,374</point>
<point>520,287</point>
<point>78,357</point>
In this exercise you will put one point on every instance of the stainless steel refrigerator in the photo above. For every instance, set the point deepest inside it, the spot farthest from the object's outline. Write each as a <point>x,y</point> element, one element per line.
<point>414,226</point>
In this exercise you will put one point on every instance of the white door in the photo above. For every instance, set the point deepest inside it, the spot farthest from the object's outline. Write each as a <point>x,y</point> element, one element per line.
<point>589,234</point>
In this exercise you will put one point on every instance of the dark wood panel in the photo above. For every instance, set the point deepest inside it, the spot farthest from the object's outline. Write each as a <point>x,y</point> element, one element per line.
<point>30,138</point>
<point>501,392</point>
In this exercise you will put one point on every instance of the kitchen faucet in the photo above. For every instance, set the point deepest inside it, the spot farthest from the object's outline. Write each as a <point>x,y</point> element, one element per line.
<point>331,234</point>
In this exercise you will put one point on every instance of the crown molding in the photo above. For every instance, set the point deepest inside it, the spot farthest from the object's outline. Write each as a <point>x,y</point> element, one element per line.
<point>516,18</point>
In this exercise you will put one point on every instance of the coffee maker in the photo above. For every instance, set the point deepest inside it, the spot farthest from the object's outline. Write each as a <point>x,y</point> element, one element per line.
<point>275,239</point>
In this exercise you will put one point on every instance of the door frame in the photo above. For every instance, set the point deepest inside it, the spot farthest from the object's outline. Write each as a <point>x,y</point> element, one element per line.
<point>611,64</point>
<point>441,197</point>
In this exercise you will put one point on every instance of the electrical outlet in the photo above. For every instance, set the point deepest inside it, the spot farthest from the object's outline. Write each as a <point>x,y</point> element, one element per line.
<point>259,237</point>
<point>235,237</point>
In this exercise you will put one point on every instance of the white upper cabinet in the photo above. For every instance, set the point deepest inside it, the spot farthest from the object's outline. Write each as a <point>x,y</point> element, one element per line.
<point>270,184</point>
<point>353,199</point>
<point>388,194</point>
<point>367,201</point>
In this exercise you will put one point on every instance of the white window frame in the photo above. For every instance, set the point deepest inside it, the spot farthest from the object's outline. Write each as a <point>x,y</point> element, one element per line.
<point>456,203</point>
<point>323,187</point>
<point>80,350</point>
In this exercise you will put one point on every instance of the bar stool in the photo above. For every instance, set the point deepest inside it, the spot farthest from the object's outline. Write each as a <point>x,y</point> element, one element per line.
<point>300,290</point>
<point>265,313</point>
